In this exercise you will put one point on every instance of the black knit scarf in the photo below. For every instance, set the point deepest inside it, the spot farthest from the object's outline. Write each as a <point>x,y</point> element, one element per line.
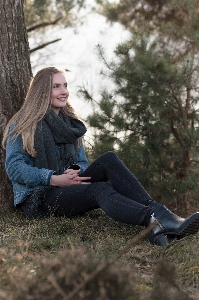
<point>60,130</point>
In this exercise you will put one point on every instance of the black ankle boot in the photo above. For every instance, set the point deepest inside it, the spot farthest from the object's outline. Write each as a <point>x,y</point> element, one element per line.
<point>172,225</point>
<point>155,236</point>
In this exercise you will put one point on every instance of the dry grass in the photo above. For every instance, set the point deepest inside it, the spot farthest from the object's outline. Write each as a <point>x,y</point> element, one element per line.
<point>82,258</point>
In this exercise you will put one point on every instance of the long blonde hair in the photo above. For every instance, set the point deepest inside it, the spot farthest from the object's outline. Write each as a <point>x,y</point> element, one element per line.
<point>35,106</point>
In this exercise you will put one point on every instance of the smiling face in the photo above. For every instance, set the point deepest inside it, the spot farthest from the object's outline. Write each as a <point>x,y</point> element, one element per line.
<point>59,92</point>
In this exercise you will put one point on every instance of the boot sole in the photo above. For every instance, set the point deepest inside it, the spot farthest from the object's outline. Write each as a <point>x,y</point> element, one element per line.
<point>191,228</point>
<point>188,229</point>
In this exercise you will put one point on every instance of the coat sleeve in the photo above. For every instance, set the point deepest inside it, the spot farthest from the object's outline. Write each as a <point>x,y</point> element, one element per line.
<point>82,159</point>
<point>20,165</point>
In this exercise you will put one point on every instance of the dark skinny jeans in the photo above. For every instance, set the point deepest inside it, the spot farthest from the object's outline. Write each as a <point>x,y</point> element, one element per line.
<point>114,189</point>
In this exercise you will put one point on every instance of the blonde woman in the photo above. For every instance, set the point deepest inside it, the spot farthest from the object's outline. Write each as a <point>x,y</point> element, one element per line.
<point>50,174</point>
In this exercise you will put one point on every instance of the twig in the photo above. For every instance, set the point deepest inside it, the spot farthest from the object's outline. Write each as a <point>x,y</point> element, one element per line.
<point>105,265</point>
<point>42,24</point>
<point>56,286</point>
<point>44,45</point>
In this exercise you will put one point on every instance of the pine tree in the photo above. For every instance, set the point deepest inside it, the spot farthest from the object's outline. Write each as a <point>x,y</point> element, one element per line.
<point>151,117</point>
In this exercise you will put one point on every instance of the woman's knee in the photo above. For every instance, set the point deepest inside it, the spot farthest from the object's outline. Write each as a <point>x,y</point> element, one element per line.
<point>109,156</point>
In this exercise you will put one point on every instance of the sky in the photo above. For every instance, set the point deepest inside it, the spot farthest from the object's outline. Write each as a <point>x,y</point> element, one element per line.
<point>77,53</point>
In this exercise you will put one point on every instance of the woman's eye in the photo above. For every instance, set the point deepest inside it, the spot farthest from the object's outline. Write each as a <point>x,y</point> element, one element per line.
<point>55,86</point>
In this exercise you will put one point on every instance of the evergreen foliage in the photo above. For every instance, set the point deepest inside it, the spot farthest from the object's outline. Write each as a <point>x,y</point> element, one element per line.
<point>151,116</point>
<point>38,11</point>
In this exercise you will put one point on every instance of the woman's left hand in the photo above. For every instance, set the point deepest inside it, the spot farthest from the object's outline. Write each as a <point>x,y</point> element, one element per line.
<point>74,175</point>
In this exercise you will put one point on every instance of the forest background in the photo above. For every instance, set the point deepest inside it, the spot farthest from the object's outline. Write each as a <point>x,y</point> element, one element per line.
<point>145,108</point>
<point>145,104</point>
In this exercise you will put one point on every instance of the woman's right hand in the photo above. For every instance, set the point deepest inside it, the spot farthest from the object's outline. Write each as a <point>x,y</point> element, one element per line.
<point>70,177</point>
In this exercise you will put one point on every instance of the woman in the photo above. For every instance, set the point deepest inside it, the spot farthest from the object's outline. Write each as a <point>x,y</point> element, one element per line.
<point>46,162</point>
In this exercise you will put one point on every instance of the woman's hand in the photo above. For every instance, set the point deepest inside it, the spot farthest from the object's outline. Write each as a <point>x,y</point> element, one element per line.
<point>69,177</point>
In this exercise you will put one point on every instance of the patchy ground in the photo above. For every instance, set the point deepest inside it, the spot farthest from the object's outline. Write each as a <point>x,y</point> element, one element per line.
<point>87,258</point>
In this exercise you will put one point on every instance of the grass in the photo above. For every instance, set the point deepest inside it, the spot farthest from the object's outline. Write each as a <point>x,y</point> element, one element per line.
<point>51,258</point>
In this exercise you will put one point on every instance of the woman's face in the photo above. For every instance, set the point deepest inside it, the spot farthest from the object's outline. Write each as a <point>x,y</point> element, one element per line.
<point>59,92</point>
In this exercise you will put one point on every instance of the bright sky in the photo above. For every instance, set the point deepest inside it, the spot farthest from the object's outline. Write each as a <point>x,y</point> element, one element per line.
<point>77,53</point>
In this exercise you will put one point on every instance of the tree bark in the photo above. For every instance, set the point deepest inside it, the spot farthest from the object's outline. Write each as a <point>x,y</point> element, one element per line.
<point>14,78</point>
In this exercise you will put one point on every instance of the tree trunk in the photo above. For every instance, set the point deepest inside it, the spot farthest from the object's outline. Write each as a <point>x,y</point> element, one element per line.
<point>14,77</point>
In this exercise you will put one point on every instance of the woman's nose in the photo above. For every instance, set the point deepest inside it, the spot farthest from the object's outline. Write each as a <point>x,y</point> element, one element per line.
<point>64,90</point>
